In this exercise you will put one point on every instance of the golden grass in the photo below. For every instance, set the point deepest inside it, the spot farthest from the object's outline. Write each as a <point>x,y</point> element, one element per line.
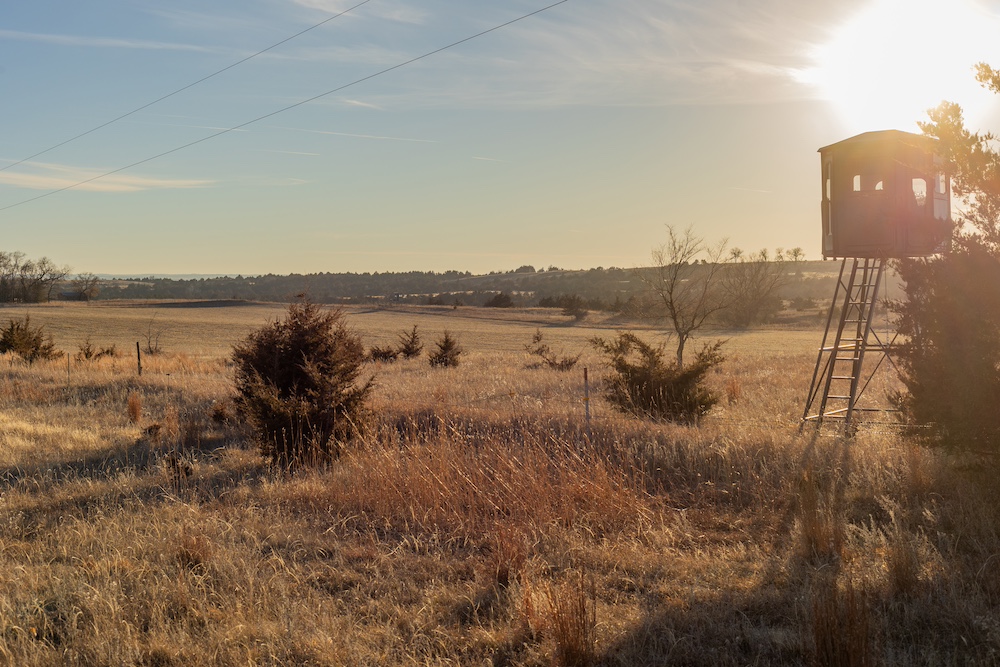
<point>480,520</point>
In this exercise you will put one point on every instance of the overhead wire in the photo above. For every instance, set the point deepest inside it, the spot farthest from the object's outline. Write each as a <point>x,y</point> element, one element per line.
<point>285,108</point>
<point>182,89</point>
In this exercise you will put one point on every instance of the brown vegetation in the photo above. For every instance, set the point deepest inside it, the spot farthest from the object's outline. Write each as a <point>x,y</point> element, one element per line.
<point>481,520</point>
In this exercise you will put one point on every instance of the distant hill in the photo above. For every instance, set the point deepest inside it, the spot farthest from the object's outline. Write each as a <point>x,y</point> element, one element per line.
<point>599,288</point>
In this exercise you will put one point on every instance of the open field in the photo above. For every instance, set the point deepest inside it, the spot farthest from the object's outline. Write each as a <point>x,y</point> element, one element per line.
<point>481,520</point>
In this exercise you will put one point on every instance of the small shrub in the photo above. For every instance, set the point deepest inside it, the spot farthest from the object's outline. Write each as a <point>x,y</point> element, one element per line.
<point>801,303</point>
<point>549,358</point>
<point>297,382</point>
<point>28,342</point>
<point>447,352</point>
<point>410,345</point>
<point>643,384</point>
<point>572,305</point>
<point>384,354</point>
<point>87,351</point>
<point>500,300</point>
<point>575,307</point>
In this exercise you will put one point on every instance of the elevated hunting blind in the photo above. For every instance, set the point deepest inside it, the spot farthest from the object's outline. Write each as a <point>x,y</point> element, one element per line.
<point>885,196</point>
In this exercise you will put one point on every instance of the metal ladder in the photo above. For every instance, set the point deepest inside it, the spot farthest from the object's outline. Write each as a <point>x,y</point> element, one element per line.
<point>836,383</point>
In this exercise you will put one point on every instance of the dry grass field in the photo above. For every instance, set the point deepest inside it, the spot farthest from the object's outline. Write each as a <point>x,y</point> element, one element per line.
<point>481,520</point>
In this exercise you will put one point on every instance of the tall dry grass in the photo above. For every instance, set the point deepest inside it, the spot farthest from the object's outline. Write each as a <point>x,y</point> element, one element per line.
<point>481,520</point>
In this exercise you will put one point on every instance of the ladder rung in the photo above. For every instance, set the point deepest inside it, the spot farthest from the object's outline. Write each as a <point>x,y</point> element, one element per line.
<point>859,301</point>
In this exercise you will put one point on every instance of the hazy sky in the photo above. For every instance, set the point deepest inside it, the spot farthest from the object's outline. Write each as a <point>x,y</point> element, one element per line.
<point>571,137</point>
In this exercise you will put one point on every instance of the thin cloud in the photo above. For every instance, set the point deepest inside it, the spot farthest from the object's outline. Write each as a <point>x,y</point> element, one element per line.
<point>195,20</point>
<point>629,53</point>
<point>100,42</point>
<point>392,11</point>
<point>487,159</point>
<point>363,105</point>
<point>47,176</point>
<point>357,136</point>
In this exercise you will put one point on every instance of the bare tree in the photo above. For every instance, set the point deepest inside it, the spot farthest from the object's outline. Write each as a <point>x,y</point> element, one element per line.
<point>750,283</point>
<point>36,279</point>
<point>152,336</point>
<point>689,291</point>
<point>86,286</point>
<point>10,269</point>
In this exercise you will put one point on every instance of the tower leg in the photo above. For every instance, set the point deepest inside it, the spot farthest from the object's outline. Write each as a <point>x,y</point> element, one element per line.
<point>834,389</point>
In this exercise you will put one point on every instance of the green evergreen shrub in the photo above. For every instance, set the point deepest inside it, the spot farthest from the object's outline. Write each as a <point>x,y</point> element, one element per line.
<point>499,300</point>
<point>642,384</point>
<point>28,342</point>
<point>950,357</point>
<point>410,345</point>
<point>383,354</point>
<point>538,348</point>
<point>447,353</point>
<point>298,384</point>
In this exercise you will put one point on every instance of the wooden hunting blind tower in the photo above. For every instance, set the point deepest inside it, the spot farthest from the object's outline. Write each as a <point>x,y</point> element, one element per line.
<point>885,195</point>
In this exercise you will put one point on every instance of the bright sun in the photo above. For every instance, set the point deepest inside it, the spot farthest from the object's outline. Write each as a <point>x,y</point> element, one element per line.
<point>886,66</point>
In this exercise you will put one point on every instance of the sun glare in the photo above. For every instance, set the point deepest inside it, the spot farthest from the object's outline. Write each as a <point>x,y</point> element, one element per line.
<point>886,66</point>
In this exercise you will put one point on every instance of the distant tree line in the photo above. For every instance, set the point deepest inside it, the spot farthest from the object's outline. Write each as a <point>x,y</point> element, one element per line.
<point>599,289</point>
<point>24,280</point>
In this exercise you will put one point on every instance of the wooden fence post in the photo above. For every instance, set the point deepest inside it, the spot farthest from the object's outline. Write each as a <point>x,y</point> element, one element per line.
<point>138,357</point>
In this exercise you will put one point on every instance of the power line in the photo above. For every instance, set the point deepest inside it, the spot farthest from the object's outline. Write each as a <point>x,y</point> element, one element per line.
<point>284,109</point>
<point>180,90</point>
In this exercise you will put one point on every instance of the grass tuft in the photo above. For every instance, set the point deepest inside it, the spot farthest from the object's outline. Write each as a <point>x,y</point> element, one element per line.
<point>134,406</point>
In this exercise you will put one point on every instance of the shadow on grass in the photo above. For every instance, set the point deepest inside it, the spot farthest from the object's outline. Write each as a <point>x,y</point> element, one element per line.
<point>145,472</point>
<point>804,606</point>
<point>766,624</point>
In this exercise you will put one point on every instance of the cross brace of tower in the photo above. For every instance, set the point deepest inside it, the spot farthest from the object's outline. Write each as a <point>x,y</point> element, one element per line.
<point>838,381</point>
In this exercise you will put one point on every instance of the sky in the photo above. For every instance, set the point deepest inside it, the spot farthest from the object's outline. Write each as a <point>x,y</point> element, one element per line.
<point>569,135</point>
